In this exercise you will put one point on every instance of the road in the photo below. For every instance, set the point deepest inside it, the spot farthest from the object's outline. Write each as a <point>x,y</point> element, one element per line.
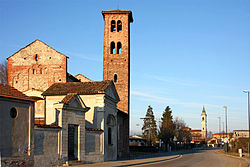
<point>202,158</point>
<point>195,158</point>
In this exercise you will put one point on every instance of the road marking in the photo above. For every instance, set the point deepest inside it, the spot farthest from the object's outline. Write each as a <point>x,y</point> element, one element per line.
<point>155,162</point>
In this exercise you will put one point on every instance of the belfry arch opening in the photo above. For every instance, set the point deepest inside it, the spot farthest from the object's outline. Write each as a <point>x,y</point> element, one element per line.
<point>113,29</point>
<point>119,26</point>
<point>119,48</point>
<point>112,48</point>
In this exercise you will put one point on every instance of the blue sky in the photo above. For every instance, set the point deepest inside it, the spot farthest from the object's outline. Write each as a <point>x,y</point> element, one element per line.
<point>184,53</point>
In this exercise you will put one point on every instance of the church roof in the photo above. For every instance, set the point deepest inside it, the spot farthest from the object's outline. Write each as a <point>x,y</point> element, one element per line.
<point>203,110</point>
<point>78,76</point>
<point>67,99</point>
<point>81,88</point>
<point>71,78</point>
<point>32,44</point>
<point>118,11</point>
<point>10,92</point>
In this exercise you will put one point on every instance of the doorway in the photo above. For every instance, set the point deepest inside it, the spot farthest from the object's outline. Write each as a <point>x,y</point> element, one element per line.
<point>72,142</point>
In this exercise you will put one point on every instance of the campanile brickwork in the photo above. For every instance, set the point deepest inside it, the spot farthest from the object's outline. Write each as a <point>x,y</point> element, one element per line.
<point>116,59</point>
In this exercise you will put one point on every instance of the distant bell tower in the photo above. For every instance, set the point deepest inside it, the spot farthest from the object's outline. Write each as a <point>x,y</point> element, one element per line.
<point>116,56</point>
<point>204,123</point>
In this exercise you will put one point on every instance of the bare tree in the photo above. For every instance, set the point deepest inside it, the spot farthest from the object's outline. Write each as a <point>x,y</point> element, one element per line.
<point>4,72</point>
<point>182,132</point>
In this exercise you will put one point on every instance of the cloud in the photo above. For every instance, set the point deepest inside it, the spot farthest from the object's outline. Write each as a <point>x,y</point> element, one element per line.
<point>174,81</point>
<point>182,82</point>
<point>84,56</point>
<point>164,100</point>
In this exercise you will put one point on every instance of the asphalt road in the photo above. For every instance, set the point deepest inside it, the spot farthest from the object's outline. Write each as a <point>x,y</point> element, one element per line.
<point>202,158</point>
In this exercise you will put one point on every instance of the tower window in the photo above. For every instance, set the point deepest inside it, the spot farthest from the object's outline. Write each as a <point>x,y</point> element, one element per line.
<point>115,78</point>
<point>119,26</point>
<point>112,48</point>
<point>119,48</point>
<point>33,71</point>
<point>113,29</point>
<point>202,118</point>
<point>36,57</point>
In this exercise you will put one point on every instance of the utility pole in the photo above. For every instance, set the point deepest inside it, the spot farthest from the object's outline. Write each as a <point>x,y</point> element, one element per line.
<point>219,128</point>
<point>248,100</point>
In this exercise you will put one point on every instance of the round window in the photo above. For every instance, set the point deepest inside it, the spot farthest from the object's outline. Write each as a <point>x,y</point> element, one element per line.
<point>13,112</point>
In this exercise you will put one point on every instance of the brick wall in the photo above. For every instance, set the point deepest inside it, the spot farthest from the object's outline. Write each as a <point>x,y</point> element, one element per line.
<point>36,66</point>
<point>118,64</point>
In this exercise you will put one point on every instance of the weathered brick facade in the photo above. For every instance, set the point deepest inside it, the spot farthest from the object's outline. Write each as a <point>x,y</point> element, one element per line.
<point>116,67</point>
<point>36,66</point>
<point>118,63</point>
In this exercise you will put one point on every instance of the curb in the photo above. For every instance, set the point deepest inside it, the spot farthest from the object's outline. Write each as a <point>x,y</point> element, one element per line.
<point>232,156</point>
<point>135,162</point>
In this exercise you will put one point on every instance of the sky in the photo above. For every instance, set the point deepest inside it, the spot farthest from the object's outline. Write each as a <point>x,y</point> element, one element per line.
<point>185,54</point>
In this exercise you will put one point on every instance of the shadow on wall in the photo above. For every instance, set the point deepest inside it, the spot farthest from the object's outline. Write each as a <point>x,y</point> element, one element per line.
<point>38,143</point>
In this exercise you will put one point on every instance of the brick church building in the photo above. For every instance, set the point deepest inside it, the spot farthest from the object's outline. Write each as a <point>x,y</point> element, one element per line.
<point>62,100</point>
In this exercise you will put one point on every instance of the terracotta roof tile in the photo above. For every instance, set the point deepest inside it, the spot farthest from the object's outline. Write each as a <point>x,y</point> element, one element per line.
<point>81,88</point>
<point>47,126</point>
<point>118,11</point>
<point>10,92</point>
<point>93,129</point>
<point>36,98</point>
<point>67,99</point>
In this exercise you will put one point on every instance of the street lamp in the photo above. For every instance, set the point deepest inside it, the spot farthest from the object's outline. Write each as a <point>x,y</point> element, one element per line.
<point>247,91</point>
<point>226,126</point>
<point>219,130</point>
<point>225,117</point>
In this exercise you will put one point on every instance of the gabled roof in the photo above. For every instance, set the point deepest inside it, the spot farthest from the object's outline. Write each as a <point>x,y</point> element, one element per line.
<point>33,43</point>
<point>118,11</point>
<point>71,78</point>
<point>67,99</point>
<point>10,92</point>
<point>81,88</point>
<point>80,75</point>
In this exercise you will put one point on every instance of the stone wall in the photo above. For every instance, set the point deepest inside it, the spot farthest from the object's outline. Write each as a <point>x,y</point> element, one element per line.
<point>93,150</point>
<point>46,147</point>
<point>16,134</point>
<point>75,118</point>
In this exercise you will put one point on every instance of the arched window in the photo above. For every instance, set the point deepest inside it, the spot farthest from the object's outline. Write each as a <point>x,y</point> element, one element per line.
<point>119,26</point>
<point>115,78</point>
<point>113,29</point>
<point>119,48</point>
<point>112,48</point>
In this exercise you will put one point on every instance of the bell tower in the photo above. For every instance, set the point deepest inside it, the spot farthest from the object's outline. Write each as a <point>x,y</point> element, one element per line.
<point>116,54</point>
<point>116,67</point>
<point>204,123</point>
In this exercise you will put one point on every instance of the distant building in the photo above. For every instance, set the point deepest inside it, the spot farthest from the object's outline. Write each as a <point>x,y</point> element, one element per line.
<point>240,134</point>
<point>137,141</point>
<point>200,135</point>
